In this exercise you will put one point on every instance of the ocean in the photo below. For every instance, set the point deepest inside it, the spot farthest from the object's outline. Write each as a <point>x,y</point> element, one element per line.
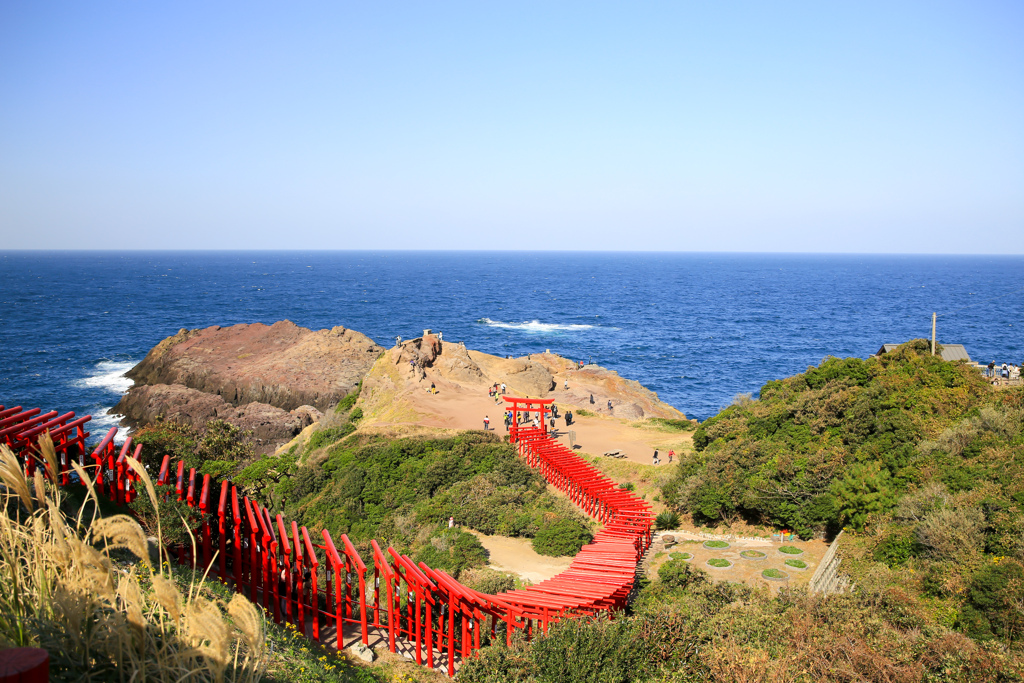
<point>696,328</point>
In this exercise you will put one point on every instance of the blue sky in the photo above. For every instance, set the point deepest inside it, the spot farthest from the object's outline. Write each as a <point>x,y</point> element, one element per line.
<point>795,127</point>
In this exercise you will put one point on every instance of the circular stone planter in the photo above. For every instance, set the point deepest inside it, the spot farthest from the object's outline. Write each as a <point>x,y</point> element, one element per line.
<point>774,575</point>
<point>716,545</point>
<point>719,566</point>
<point>680,556</point>
<point>798,565</point>
<point>790,551</point>
<point>753,555</point>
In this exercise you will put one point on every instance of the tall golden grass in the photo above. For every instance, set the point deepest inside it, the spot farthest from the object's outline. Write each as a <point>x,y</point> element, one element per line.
<point>103,619</point>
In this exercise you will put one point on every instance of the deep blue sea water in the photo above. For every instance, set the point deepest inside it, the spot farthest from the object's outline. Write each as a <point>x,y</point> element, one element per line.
<point>696,328</point>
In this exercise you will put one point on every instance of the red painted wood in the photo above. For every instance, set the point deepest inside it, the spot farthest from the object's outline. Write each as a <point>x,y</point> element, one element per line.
<point>599,578</point>
<point>24,665</point>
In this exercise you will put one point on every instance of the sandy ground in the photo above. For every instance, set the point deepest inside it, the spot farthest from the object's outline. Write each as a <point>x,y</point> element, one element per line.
<point>458,406</point>
<point>517,556</point>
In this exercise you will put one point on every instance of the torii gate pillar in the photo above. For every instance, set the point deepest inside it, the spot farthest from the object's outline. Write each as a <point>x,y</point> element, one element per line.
<point>527,405</point>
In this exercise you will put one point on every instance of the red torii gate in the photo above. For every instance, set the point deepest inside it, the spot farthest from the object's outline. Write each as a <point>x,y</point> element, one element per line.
<point>278,566</point>
<point>527,405</point>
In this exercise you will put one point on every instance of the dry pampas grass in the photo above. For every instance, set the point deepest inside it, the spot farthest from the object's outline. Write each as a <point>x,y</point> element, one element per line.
<point>102,619</point>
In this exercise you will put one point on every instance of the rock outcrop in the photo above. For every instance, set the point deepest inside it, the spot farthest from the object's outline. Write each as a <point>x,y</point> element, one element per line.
<point>282,365</point>
<point>269,424</point>
<point>272,380</point>
<point>397,389</point>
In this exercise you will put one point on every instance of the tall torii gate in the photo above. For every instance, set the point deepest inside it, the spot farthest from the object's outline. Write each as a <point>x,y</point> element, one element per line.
<point>528,405</point>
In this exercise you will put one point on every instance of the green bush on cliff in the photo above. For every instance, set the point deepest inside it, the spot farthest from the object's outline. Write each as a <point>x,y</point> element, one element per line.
<point>216,441</point>
<point>561,537</point>
<point>452,550</point>
<point>350,399</point>
<point>390,490</point>
<point>839,443</point>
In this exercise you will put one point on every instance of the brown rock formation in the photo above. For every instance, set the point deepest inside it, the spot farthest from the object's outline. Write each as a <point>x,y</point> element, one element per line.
<point>269,425</point>
<point>282,365</point>
<point>396,389</point>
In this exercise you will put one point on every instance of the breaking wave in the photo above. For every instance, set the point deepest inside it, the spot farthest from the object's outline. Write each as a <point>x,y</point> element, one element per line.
<point>101,423</point>
<point>108,375</point>
<point>534,326</point>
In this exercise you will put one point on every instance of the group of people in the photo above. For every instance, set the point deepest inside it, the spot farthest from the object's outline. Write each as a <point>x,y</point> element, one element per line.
<point>657,460</point>
<point>1003,374</point>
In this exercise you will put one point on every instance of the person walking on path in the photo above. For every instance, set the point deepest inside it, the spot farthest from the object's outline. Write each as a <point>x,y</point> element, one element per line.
<point>656,460</point>
<point>567,384</point>
<point>487,423</point>
<point>671,454</point>
<point>609,404</point>
<point>502,388</point>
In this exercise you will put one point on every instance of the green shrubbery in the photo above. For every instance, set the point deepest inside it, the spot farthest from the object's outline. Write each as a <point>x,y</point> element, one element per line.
<point>841,443</point>
<point>674,425</point>
<point>218,441</point>
<point>563,536</point>
<point>667,520</point>
<point>686,628</point>
<point>573,651</point>
<point>452,550</point>
<point>371,487</point>
<point>349,401</point>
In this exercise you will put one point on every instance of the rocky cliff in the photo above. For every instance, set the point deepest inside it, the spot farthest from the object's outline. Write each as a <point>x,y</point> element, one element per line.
<point>270,379</point>
<point>282,365</point>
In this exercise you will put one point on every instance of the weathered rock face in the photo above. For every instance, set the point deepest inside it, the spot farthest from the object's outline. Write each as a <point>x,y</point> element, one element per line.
<point>281,365</point>
<point>269,424</point>
<point>531,378</point>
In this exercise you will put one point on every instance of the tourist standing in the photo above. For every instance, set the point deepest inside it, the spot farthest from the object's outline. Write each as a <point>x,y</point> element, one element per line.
<point>487,423</point>
<point>502,388</point>
<point>671,454</point>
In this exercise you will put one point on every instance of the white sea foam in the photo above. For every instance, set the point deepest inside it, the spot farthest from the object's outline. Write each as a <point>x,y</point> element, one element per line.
<point>108,375</point>
<point>535,326</point>
<point>101,423</point>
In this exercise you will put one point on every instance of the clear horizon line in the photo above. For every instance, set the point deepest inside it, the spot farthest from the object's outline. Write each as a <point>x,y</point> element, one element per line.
<point>501,251</point>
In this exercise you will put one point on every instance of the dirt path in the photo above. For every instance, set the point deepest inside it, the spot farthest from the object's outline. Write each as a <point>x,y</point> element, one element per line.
<point>517,556</point>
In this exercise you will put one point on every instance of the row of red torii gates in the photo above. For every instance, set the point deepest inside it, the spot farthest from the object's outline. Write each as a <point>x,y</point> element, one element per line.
<point>320,584</point>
